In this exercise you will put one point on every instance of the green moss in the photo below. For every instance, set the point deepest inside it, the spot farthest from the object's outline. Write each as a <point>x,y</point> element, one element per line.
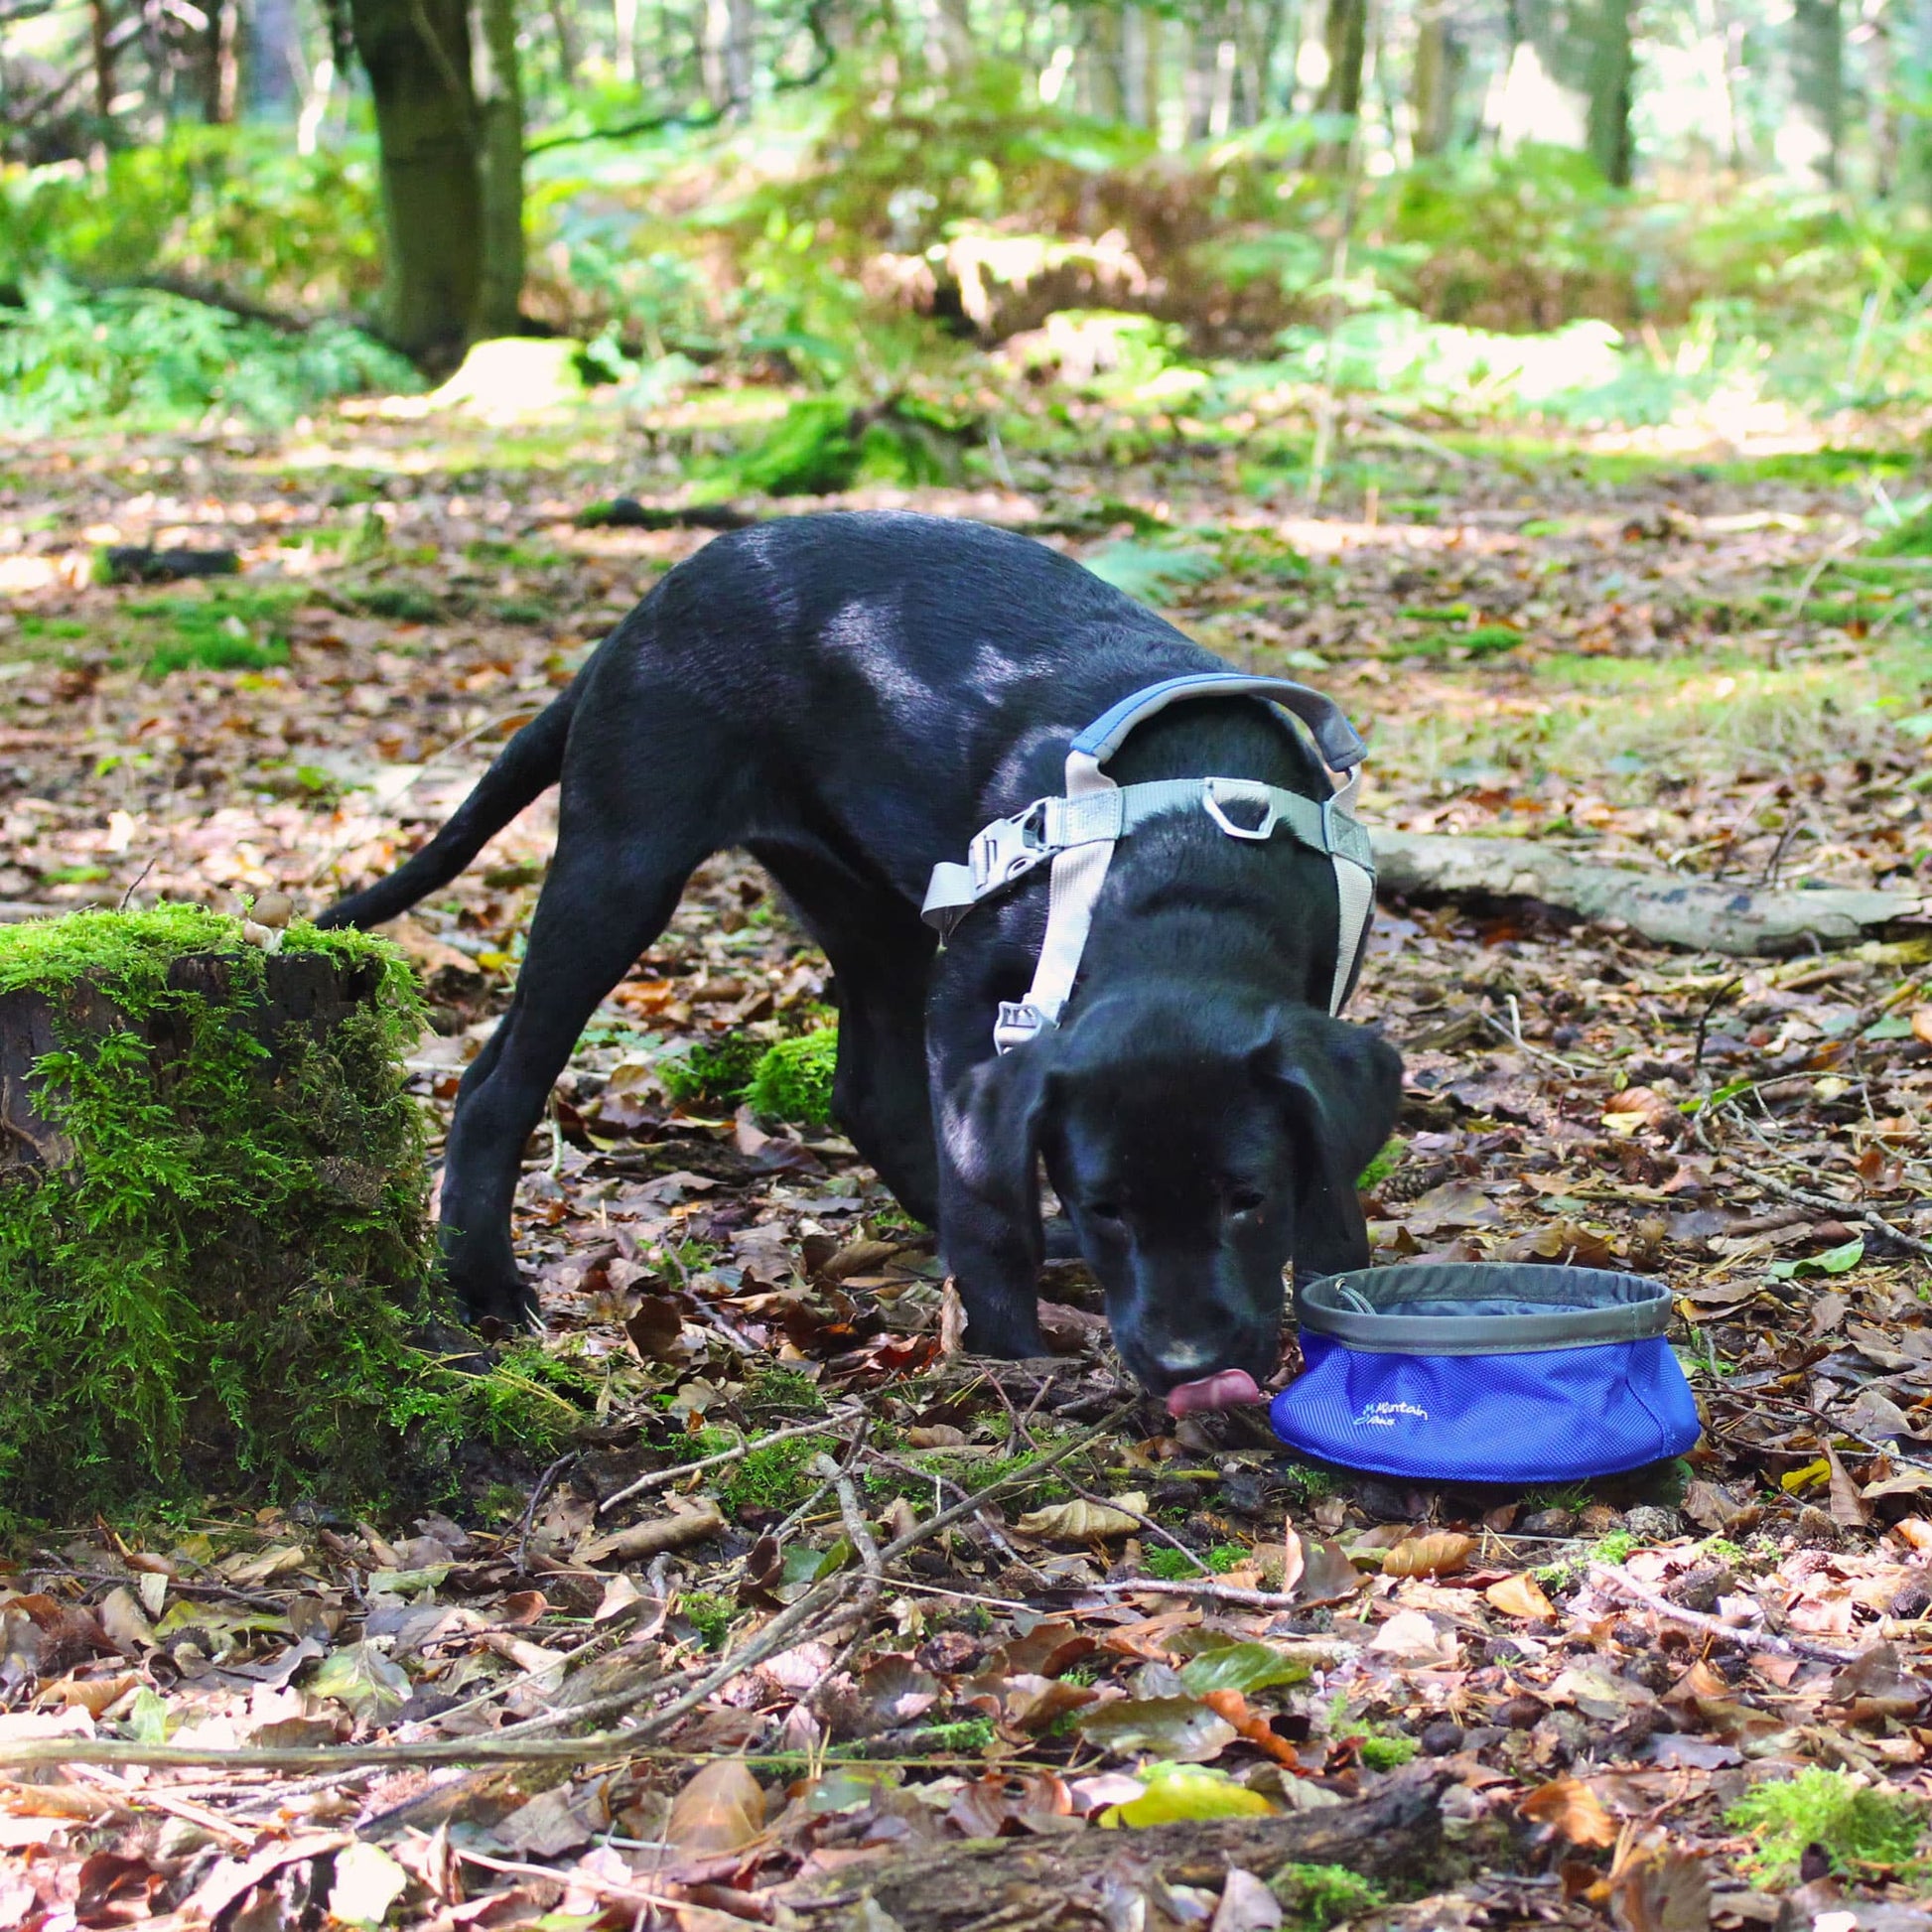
<point>1859,1829</point>
<point>1169,1563</point>
<point>1383,1750</point>
<point>782,1392</point>
<point>709,1615</point>
<point>793,1080</point>
<point>1315,1896</point>
<point>778,1476</point>
<point>228,629</point>
<point>715,1071</point>
<point>1384,1163</point>
<point>967,1735</point>
<point>223,1278</point>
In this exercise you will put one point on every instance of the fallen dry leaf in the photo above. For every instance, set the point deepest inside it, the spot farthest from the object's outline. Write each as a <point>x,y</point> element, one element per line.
<point>721,1808</point>
<point>1439,1554</point>
<point>1572,1811</point>
<point>1520,1596</point>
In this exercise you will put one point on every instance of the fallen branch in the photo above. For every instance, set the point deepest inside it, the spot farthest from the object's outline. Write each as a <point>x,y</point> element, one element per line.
<point>1063,1879</point>
<point>1617,1581</point>
<point>663,1478</point>
<point>1659,905</point>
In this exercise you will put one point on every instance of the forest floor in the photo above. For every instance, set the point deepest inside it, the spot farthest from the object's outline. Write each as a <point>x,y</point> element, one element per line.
<point>1698,1696</point>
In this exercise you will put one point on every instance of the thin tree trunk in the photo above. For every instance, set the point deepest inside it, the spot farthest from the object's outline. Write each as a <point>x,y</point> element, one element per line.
<point>1440,63</point>
<point>101,21</point>
<point>1608,32</point>
<point>741,47</point>
<point>570,51</point>
<point>222,75</point>
<point>1814,129</point>
<point>499,105</point>
<point>1140,81</point>
<point>416,54</point>
<point>1345,39</point>
<point>1106,91</point>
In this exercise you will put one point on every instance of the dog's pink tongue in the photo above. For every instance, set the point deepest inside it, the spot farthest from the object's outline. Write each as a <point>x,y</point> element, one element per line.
<point>1227,1388</point>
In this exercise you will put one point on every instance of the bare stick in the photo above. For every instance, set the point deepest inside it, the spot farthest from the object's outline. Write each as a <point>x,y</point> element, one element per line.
<point>1714,1626</point>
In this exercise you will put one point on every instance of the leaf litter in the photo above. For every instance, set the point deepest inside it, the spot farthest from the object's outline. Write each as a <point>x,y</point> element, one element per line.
<point>822,1623</point>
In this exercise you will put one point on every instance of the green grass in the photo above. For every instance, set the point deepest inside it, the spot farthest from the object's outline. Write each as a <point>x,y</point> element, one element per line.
<point>1315,1897</point>
<point>227,630</point>
<point>775,1477</point>
<point>1864,1832</point>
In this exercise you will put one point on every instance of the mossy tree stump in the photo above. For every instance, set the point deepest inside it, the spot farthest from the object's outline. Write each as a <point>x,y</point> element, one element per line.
<point>213,1230</point>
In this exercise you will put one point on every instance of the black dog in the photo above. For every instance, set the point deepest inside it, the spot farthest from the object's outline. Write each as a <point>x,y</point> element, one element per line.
<point>851,697</point>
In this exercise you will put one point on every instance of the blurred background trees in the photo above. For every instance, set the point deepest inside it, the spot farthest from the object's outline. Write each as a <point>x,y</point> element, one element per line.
<point>818,188</point>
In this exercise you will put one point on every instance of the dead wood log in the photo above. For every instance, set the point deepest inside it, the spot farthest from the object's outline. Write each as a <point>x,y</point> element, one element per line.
<point>1663,906</point>
<point>1075,1879</point>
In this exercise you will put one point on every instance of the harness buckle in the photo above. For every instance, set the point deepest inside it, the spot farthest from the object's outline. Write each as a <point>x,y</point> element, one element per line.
<point>1008,847</point>
<point>1248,791</point>
<point>1020,1020</point>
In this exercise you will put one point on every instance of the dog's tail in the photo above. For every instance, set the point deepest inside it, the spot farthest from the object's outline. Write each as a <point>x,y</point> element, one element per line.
<point>528,765</point>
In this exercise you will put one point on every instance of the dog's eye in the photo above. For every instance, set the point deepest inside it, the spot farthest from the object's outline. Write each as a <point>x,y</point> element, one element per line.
<point>1244,1201</point>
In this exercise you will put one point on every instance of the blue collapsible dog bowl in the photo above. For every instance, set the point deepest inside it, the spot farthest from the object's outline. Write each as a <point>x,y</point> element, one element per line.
<point>1486,1372</point>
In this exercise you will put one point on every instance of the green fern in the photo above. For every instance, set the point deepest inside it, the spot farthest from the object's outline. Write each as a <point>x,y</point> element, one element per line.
<point>1150,573</point>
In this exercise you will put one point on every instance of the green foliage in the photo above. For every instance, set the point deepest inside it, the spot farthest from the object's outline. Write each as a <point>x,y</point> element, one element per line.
<point>778,1476</point>
<point>823,445</point>
<point>1384,1163</point>
<point>1864,1831</point>
<point>709,1615</point>
<point>223,1276</point>
<point>1149,572</point>
<point>1315,1897</point>
<point>1169,1563</point>
<point>226,630</point>
<point>1384,1750</point>
<point>152,361</point>
<point>783,1392</point>
<point>715,1071</point>
<point>793,1079</point>
<point>966,1736</point>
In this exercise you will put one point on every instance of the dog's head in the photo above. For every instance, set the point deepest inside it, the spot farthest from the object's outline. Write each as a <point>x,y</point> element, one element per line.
<point>1199,1142</point>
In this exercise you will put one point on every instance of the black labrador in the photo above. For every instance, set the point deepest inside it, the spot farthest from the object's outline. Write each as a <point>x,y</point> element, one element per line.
<point>850,698</point>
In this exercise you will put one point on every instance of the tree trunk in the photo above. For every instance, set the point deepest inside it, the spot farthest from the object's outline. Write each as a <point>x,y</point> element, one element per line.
<point>570,53</point>
<point>1441,59</point>
<point>1808,144</point>
<point>623,28</point>
<point>223,74</point>
<point>1106,89</point>
<point>416,54</point>
<point>499,99</point>
<point>1607,34</point>
<point>1345,41</point>
<point>1664,907</point>
<point>1087,1878</point>
<point>101,21</point>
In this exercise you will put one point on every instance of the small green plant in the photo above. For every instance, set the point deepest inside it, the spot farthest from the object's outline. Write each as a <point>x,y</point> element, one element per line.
<point>783,1392</point>
<point>1169,1563</point>
<point>778,1476</point>
<point>1864,1832</point>
<point>1315,1897</point>
<point>1719,1549</point>
<point>793,1079</point>
<point>713,1070</point>
<point>710,1616</point>
<point>226,630</point>
<point>1613,1548</point>
<point>1384,1750</point>
<point>967,1735</point>
<point>1384,1164</point>
<point>1225,1556</point>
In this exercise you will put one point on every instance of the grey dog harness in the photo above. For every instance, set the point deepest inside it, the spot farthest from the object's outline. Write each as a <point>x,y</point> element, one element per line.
<point>1077,834</point>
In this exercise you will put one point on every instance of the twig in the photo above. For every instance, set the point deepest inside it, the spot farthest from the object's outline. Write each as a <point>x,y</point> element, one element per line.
<point>1714,1626</point>
<point>536,1500</point>
<point>134,883</point>
<point>1839,1210</point>
<point>663,1478</point>
<point>1704,1018</point>
<point>573,1878</point>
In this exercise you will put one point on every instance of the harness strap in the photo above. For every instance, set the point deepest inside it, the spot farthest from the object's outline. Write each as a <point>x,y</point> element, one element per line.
<point>1077,834</point>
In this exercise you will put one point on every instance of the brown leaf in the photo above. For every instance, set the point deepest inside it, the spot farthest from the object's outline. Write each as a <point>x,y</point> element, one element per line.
<point>651,1539</point>
<point>721,1808</point>
<point>1849,1509</point>
<point>656,1327</point>
<point>1572,1811</point>
<point>1670,1892</point>
<point>1439,1554</point>
<point>1081,1521</point>
<point>1923,1023</point>
<point>1326,1574</point>
<point>1520,1596</point>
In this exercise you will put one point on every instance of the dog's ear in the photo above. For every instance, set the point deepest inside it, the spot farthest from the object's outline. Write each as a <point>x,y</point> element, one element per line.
<point>1344,1087</point>
<point>992,1126</point>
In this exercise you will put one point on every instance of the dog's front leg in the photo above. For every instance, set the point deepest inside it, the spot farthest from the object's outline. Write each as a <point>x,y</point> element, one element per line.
<point>987,1116</point>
